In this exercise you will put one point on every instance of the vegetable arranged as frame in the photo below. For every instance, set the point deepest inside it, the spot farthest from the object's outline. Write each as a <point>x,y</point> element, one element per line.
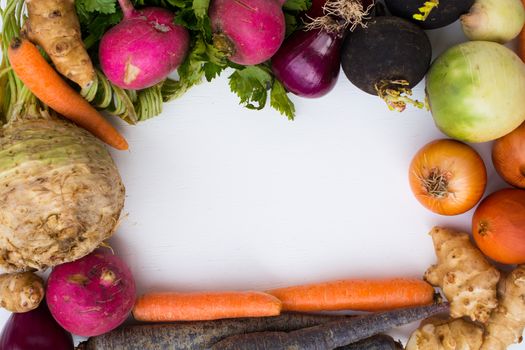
<point>47,219</point>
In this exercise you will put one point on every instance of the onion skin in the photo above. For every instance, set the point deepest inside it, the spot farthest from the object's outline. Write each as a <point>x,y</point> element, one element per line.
<point>61,194</point>
<point>472,98</point>
<point>494,20</point>
<point>508,156</point>
<point>498,226</point>
<point>461,166</point>
<point>308,63</point>
<point>34,330</point>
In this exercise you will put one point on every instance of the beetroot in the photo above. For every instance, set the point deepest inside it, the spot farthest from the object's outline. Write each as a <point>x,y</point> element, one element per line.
<point>144,48</point>
<point>91,296</point>
<point>248,31</point>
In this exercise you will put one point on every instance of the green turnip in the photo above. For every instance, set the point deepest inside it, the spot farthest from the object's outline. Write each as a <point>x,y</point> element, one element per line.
<point>476,91</point>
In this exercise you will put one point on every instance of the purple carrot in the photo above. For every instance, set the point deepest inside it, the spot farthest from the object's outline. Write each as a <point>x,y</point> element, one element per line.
<point>331,335</point>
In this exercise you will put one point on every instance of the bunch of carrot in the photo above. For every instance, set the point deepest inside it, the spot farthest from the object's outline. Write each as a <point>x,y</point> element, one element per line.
<point>356,295</point>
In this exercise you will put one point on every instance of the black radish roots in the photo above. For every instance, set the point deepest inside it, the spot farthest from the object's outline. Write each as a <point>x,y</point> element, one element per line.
<point>198,335</point>
<point>331,335</point>
<point>387,58</point>
<point>429,14</point>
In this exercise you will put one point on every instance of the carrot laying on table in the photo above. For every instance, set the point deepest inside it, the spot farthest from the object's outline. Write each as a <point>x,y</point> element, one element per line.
<point>46,84</point>
<point>362,295</point>
<point>157,307</point>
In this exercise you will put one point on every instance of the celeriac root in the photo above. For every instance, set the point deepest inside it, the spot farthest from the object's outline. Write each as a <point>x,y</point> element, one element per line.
<point>21,292</point>
<point>54,26</point>
<point>507,322</point>
<point>446,334</point>
<point>467,279</point>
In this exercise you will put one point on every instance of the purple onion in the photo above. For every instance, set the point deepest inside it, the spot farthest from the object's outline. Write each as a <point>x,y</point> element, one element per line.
<point>308,62</point>
<point>34,330</point>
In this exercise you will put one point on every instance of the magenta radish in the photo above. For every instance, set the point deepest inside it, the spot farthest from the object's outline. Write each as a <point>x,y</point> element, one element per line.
<point>34,330</point>
<point>248,31</point>
<point>91,296</point>
<point>144,48</point>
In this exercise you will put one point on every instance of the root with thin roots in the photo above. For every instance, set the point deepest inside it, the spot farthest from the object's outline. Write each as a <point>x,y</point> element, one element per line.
<point>425,10</point>
<point>396,94</point>
<point>436,183</point>
<point>340,15</point>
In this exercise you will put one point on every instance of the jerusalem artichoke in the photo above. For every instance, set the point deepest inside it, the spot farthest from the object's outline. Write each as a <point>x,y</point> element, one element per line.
<point>21,292</point>
<point>54,26</point>
<point>446,334</point>
<point>506,324</point>
<point>467,279</point>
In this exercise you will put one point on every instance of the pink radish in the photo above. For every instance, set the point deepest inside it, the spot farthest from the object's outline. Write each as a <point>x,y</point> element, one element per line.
<point>91,296</point>
<point>249,31</point>
<point>144,48</point>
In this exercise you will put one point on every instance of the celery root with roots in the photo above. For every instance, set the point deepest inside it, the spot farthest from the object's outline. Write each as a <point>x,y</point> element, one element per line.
<point>54,26</point>
<point>60,192</point>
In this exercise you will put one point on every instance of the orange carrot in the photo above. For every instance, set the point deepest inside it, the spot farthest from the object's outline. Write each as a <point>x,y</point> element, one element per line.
<point>359,295</point>
<point>163,307</point>
<point>45,83</point>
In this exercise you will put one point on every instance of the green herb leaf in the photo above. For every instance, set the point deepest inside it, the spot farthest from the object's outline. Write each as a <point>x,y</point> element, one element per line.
<point>200,7</point>
<point>101,6</point>
<point>291,23</point>
<point>251,84</point>
<point>212,71</point>
<point>280,101</point>
<point>297,5</point>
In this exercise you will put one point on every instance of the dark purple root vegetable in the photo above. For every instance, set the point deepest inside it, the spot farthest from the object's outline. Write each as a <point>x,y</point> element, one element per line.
<point>34,330</point>
<point>377,342</point>
<point>387,58</point>
<point>308,62</point>
<point>446,12</point>
<point>197,335</point>
<point>331,335</point>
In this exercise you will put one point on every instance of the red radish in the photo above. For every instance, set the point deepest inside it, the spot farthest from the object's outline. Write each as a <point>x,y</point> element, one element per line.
<point>144,48</point>
<point>248,31</point>
<point>91,296</point>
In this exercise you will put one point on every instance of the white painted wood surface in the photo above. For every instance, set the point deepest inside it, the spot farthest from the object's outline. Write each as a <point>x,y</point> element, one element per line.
<point>219,197</point>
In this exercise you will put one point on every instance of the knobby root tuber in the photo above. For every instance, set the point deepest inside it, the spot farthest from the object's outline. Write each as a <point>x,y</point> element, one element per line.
<point>21,292</point>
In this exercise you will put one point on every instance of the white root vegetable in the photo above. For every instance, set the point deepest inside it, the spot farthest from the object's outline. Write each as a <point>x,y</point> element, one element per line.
<point>494,20</point>
<point>446,334</point>
<point>506,324</point>
<point>21,292</point>
<point>467,279</point>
